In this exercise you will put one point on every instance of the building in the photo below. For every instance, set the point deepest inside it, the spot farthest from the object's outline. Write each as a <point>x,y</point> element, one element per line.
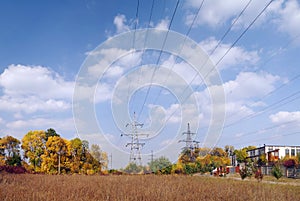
<point>273,153</point>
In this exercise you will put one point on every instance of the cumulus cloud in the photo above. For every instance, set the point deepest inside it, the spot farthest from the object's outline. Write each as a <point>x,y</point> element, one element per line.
<point>18,128</point>
<point>289,17</point>
<point>20,81</point>
<point>285,116</point>
<point>237,56</point>
<point>163,24</point>
<point>285,14</point>
<point>32,98</point>
<point>240,93</point>
<point>120,23</point>
<point>217,12</point>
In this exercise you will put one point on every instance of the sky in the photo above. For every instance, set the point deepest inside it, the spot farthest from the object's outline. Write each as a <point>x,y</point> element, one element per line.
<point>88,68</point>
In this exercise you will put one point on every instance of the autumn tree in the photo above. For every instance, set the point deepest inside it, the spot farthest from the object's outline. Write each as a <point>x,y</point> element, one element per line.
<point>56,156</point>
<point>34,145</point>
<point>241,155</point>
<point>99,155</point>
<point>10,147</point>
<point>76,150</point>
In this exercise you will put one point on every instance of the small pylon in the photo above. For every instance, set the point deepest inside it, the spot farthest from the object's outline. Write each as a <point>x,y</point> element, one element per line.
<point>135,144</point>
<point>189,146</point>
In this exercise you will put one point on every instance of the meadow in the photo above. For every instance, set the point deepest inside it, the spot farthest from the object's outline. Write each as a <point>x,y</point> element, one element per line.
<point>140,187</point>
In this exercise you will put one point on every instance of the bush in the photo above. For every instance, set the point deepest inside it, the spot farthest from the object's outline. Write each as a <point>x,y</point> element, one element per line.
<point>243,173</point>
<point>276,171</point>
<point>258,175</point>
<point>13,169</point>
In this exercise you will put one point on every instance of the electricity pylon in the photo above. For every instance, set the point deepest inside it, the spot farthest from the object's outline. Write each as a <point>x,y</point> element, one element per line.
<point>135,144</point>
<point>190,144</point>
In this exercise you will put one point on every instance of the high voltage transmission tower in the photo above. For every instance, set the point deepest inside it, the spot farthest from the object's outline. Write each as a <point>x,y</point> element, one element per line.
<point>135,144</point>
<point>190,144</point>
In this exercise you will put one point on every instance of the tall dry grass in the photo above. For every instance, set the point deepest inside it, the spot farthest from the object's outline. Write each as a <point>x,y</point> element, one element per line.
<point>138,187</point>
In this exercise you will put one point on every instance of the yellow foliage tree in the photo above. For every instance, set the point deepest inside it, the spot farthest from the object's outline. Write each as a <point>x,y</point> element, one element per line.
<point>34,145</point>
<point>57,155</point>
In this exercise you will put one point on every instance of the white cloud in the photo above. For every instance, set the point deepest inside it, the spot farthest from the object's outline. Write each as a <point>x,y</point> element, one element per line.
<point>32,104</point>
<point>20,81</point>
<point>237,56</point>
<point>250,85</point>
<point>289,19</point>
<point>34,88</point>
<point>19,128</point>
<point>120,23</point>
<point>163,24</point>
<point>114,71</point>
<point>217,12</point>
<point>103,92</point>
<point>285,116</point>
<point>241,94</point>
<point>285,14</point>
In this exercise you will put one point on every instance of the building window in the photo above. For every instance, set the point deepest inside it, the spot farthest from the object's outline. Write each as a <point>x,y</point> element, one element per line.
<point>298,151</point>
<point>287,152</point>
<point>293,153</point>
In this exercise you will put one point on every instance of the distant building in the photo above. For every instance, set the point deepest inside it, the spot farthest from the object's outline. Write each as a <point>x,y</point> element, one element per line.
<point>273,152</point>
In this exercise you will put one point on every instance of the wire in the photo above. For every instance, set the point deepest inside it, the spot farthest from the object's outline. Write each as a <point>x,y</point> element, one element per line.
<point>186,35</point>
<point>267,108</point>
<point>164,42</point>
<point>235,42</point>
<point>133,38</point>
<point>267,138</point>
<point>282,85</point>
<point>268,128</point>
<point>143,51</point>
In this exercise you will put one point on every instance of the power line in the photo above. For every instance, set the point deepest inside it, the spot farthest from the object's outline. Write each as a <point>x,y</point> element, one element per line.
<point>267,108</point>
<point>235,42</point>
<point>277,88</point>
<point>267,128</point>
<point>268,138</point>
<point>164,42</point>
<point>185,38</point>
<point>145,40</point>
<point>133,38</point>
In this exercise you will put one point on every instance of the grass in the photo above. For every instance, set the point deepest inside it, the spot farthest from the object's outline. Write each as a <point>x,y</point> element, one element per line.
<point>139,187</point>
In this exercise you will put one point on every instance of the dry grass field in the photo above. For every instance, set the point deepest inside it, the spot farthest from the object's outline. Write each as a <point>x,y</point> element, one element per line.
<point>139,187</point>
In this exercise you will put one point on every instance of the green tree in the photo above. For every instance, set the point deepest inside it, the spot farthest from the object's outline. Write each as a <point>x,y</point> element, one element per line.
<point>133,168</point>
<point>159,164</point>
<point>51,133</point>
<point>276,171</point>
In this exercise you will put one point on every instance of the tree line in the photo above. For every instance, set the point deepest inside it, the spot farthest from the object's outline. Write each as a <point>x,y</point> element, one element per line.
<point>47,152</point>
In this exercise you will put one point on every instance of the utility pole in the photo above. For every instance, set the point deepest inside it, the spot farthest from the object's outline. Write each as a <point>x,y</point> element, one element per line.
<point>110,161</point>
<point>189,146</point>
<point>152,156</point>
<point>135,144</point>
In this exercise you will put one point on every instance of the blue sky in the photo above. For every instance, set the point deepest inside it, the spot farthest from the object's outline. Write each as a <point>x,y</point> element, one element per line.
<point>44,45</point>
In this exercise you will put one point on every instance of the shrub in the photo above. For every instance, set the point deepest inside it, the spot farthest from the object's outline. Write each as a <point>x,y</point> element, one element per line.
<point>258,175</point>
<point>276,171</point>
<point>13,169</point>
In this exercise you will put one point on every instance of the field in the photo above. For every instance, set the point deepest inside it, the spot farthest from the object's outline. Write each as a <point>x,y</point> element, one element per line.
<point>141,187</point>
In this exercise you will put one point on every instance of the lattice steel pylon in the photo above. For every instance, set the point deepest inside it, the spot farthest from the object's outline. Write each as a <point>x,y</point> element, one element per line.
<point>135,144</point>
<point>190,144</point>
